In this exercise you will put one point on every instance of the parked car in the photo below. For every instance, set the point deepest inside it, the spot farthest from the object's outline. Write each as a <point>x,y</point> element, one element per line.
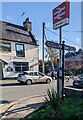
<point>78,81</point>
<point>30,77</point>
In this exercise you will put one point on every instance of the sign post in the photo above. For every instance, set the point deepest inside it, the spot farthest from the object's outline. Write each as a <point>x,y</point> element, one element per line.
<point>60,64</point>
<point>60,71</point>
<point>60,19</point>
<point>43,48</point>
<point>52,44</point>
<point>63,69</point>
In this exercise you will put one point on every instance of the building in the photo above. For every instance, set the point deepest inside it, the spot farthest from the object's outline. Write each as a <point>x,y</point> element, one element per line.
<point>74,60</point>
<point>18,48</point>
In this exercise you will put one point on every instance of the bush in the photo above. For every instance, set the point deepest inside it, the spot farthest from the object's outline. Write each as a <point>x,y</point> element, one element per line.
<point>72,109</point>
<point>55,102</point>
<point>56,109</point>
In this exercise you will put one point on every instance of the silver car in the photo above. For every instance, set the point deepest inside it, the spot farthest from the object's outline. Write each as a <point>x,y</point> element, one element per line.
<point>30,77</point>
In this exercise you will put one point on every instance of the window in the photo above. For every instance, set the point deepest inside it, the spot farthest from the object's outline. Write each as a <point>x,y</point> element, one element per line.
<point>21,66</point>
<point>5,47</point>
<point>20,52</point>
<point>9,69</point>
<point>31,73</point>
<point>35,74</point>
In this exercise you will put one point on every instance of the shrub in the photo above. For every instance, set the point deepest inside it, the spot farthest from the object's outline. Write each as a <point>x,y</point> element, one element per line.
<point>54,101</point>
<point>56,109</point>
<point>72,109</point>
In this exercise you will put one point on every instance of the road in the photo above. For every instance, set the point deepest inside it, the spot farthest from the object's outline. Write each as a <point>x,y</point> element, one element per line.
<point>13,90</point>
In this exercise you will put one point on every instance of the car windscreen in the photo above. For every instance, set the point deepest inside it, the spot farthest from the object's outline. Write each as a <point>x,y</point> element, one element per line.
<point>78,79</point>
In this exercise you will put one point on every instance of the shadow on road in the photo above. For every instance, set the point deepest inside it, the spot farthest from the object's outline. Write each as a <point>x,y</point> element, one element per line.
<point>20,84</point>
<point>11,84</point>
<point>23,108</point>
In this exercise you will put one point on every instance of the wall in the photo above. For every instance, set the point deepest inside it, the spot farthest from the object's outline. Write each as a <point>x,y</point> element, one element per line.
<point>31,56</point>
<point>1,71</point>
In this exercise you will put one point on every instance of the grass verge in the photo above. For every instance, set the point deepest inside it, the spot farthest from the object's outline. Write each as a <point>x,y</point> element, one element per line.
<point>56,109</point>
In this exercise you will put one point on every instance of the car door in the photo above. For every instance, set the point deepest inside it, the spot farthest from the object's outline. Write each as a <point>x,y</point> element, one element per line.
<point>42,77</point>
<point>35,77</point>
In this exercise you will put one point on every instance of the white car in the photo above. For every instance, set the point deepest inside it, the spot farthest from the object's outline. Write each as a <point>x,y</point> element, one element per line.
<point>30,77</point>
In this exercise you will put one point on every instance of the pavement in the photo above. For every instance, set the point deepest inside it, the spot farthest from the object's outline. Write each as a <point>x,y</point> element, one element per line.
<point>19,108</point>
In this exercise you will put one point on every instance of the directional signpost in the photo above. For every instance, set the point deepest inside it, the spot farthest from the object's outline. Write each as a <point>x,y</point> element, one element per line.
<point>60,19</point>
<point>52,44</point>
<point>63,47</point>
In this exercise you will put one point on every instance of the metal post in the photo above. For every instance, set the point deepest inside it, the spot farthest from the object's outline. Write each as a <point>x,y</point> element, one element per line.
<point>58,77</point>
<point>43,48</point>
<point>63,69</point>
<point>60,64</point>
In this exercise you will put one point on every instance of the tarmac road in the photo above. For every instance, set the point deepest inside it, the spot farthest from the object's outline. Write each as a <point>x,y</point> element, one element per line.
<point>12,90</point>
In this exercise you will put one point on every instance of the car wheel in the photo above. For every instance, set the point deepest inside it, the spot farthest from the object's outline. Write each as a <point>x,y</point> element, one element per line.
<point>29,82</point>
<point>48,80</point>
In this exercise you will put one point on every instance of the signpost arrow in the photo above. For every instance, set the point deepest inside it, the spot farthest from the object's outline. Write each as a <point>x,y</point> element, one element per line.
<point>57,46</point>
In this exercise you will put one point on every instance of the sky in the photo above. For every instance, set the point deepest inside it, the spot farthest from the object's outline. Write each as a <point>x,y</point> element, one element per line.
<point>39,12</point>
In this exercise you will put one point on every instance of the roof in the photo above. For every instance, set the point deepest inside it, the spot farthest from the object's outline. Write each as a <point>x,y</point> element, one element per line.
<point>16,33</point>
<point>3,61</point>
<point>74,54</point>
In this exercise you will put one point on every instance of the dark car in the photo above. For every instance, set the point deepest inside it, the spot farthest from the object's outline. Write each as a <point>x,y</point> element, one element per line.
<point>78,82</point>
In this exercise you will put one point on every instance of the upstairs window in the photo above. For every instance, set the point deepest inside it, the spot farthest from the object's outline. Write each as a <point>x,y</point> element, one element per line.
<point>5,47</point>
<point>20,52</point>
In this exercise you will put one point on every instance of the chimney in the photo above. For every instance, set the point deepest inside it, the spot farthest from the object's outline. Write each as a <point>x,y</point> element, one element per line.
<point>27,24</point>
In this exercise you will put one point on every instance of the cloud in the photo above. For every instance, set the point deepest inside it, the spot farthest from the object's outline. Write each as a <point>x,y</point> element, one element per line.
<point>10,18</point>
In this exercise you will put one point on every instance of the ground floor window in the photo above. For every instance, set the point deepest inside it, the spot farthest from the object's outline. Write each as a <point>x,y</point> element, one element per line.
<point>21,66</point>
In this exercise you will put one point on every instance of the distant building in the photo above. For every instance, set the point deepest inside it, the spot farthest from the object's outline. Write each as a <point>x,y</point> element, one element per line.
<point>18,48</point>
<point>74,59</point>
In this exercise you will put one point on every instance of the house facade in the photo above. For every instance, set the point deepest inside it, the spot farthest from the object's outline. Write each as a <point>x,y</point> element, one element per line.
<point>74,60</point>
<point>18,48</point>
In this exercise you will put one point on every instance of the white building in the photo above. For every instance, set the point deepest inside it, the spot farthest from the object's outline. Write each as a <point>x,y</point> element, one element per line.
<point>18,48</point>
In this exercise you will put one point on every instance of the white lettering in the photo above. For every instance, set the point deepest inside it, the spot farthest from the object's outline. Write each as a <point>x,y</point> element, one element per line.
<point>59,13</point>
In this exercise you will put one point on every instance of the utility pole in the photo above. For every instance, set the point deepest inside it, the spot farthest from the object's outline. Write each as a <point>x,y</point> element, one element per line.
<point>43,48</point>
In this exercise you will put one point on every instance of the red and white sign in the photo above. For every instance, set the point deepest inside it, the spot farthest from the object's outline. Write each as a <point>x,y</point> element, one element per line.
<point>61,15</point>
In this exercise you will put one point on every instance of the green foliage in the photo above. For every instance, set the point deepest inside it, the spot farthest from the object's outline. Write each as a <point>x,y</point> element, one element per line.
<point>72,109</point>
<point>54,101</point>
<point>68,109</point>
<point>44,114</point>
